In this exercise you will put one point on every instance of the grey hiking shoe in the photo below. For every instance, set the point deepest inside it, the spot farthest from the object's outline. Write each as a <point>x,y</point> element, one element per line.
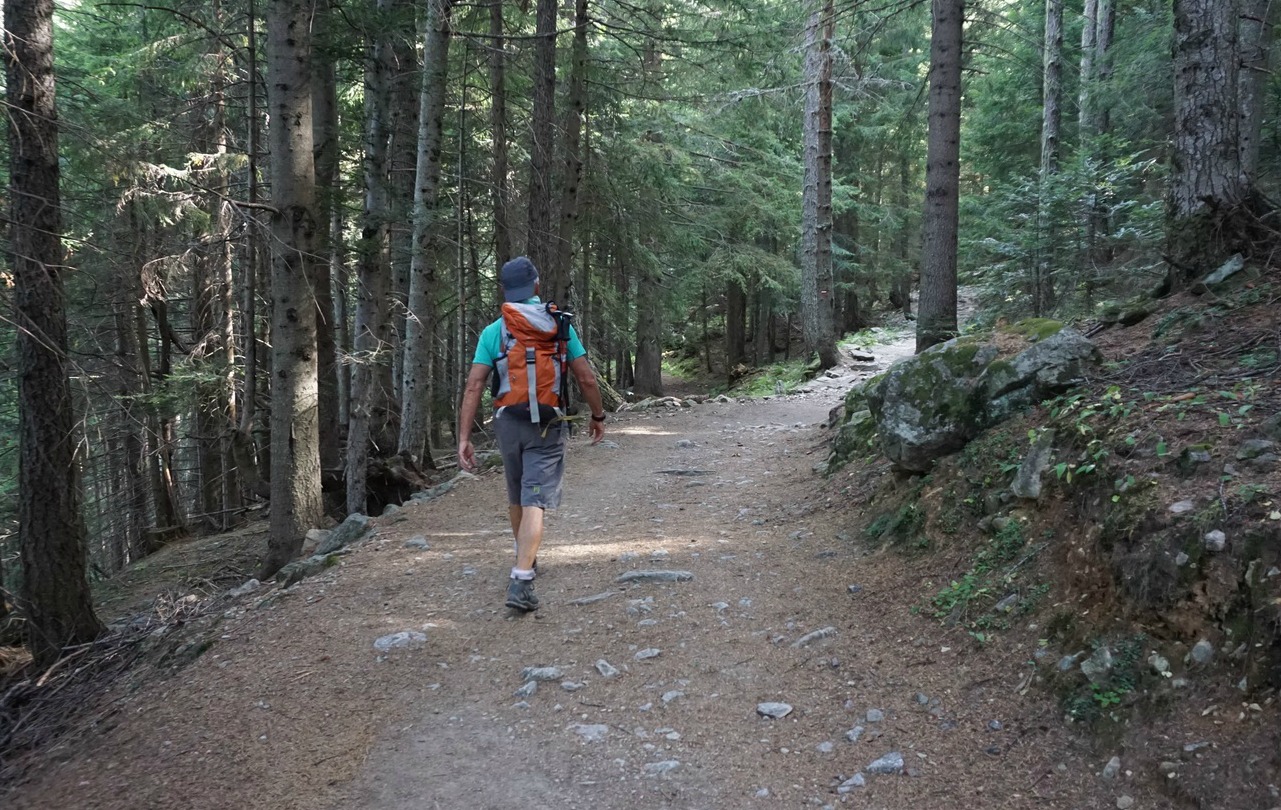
<point>520,595</point>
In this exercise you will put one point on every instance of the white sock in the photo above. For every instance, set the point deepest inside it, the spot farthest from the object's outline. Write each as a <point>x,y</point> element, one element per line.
<point>522,573</point>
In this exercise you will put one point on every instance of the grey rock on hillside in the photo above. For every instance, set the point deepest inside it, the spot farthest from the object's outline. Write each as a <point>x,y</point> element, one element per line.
<point>933,404</point>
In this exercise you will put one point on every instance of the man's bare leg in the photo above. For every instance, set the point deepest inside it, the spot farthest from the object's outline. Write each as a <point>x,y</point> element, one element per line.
<point>514,514</point>
<point>529,536</point>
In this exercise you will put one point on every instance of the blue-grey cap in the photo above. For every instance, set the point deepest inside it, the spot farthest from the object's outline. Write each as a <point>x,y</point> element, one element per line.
<point>518,277</point>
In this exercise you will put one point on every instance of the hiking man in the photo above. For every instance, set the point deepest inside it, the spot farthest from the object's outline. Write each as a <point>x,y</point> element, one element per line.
<point>528,349</point>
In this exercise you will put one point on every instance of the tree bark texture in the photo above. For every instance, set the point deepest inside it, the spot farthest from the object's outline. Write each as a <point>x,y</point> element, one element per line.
<point>818,293</point>
<point>1207,182</point>
<point>498,126</point>
<point>371,350</point>
<point>1206,160</point>
<point>572,171</point>
<point>735,327</point>
<point>542,145</point>
<point>295,443</point>
<point>936,311</point>
<point>416,392</point>
<point>326,147</point>
<point>649,333</point>
<point>1051,116</point>
<point>51,534</point>
<point>1258,19</point>
<point>405,77</point>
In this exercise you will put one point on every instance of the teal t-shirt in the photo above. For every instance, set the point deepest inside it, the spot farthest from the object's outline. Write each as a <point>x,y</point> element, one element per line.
<point>490,343</point>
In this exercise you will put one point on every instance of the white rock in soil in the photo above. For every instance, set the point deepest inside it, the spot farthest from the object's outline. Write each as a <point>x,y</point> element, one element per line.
<point>405,639</point>
<point>817,635</point>
<point>824,747</point>
<point>654,576</point>
<point>1124,802</point>
<point>1202,652</point>
<point>593,732</point>
<point>890,763</point>
<point>1160,665</point>
<point>1182,507</point>
<point>1111,769</point>
<point>661,768</point>
<point>855,781</point>
<point>647,653</point>
<point>571,686</point>
<point>853,734</point>
<point>418,541</point>
<point>875,716</point>
<point>249,587</point>
<point>541,674</point>
<point>774,711</point>
<point>606,669</point>
<point>1215,540</point>
<point>527,690</point>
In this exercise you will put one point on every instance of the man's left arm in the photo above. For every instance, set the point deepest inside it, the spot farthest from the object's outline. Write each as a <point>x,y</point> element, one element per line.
<point>467,414</point>
<point>591,392</point>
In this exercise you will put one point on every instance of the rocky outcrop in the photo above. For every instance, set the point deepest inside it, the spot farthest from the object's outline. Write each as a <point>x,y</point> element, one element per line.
<point>933,404</point>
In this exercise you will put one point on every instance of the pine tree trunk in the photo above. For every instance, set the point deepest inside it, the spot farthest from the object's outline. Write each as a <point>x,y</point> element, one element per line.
<point>542,144</point>
<point>735,327</point>
<point>1051,93</point>
<point>818,293</point>
<point>371,342</point>
<point>561,275</point>
<point>936,312</point>
<point>51,534</point>
<point>498,124</point>
<point>1207,184</point>
<point>1258,18</point>
<point>405,77</point>
<point>327,149</point>
<point>295,442</point>
<point>1086,92</point>
<point>417,392</point>
<point>649,334</point>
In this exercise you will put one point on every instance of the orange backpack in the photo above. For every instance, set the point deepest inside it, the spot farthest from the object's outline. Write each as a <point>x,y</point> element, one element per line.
<point>532,369</point>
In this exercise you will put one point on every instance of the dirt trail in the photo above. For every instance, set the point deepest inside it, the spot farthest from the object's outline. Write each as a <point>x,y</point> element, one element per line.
<point>293,708</point>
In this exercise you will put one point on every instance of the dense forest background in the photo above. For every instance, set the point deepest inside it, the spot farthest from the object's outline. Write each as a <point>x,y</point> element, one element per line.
<point>234,176</point>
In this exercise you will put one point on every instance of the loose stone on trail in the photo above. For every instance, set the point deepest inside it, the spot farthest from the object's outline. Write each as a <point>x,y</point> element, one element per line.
<point>774,711</point>
<point>593,599</point>
<point>661,768</point>
<point>541,674</point>
<point>593,732</point>
<point>817,635</point>
<point>855,781</point>
<point>606,669</point>
<point>417,542</point>
<point>527,690</point>
<point>647,653</point>
<point>891,763</point>
<point>404,639</point>
<point>654,576</point>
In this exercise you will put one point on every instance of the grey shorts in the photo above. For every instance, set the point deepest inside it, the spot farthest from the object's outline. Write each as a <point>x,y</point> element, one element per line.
<point>533,464</point>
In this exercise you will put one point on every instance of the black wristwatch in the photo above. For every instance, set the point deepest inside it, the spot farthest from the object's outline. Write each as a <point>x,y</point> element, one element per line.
<point>600,418</point>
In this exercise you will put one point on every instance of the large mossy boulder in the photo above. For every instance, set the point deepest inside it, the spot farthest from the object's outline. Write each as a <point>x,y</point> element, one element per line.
<point>928,406</point>
<point>933,404</point>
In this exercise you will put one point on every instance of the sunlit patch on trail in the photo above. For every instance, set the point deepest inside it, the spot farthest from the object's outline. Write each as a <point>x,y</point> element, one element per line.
<point>642,430</point>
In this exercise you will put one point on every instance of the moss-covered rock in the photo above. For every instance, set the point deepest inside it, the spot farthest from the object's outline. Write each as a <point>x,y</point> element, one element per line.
<point>930,405</point>
<point>927,406</point>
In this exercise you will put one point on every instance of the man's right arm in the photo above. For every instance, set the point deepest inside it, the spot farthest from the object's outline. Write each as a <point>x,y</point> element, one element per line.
<point>467,414</point>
